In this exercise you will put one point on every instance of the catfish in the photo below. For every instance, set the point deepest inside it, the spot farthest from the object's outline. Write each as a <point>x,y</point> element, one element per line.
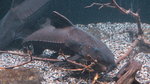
<point>17,22</point>
<point>63,35</point>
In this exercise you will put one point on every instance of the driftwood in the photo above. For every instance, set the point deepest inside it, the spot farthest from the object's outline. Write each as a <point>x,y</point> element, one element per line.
<point>127,74</point>
<point>20,76</point>
<point>134,44</point>
<point>141,42</point>
<point>144,46</point>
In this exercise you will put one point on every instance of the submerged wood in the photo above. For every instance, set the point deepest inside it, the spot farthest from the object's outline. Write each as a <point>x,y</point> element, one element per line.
<point>127,73</point>
<point>20,76</point>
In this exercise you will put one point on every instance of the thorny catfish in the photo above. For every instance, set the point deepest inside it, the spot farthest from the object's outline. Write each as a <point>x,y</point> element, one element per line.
<point>66,37</point>
<point>15,23</point>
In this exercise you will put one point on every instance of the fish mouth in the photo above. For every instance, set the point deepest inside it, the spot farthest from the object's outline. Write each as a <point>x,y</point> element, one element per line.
<point>104,68</point>
<point>111,67</point>
<point>100,68</point>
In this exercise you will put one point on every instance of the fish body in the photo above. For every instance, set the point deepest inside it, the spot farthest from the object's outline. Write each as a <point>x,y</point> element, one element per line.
<point>64,36</point>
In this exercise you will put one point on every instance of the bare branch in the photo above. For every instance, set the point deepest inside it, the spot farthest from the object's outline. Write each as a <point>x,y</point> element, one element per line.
<point>11,67</point>
<point>114,4</point>
<point>100,5</point>
<point>134,44</point>
<point>32,58</point>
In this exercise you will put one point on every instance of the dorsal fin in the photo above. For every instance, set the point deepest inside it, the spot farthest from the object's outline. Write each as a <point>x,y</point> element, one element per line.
<point>16,2</point>
<point>59,21</point>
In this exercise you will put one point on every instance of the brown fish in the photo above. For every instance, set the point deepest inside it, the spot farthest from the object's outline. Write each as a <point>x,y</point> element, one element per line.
<point>66,37</point>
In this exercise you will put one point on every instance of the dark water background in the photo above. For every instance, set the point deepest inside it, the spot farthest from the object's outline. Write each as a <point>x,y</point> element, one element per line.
<point>75,11</point>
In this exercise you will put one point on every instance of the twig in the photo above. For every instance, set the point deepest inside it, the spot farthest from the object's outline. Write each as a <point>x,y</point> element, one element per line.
<point>95,78</point>
<point>11,67</point>
<point>32,58</point>
<point>134,44</point>
<point>81,69</point>
<point>87,67</point>
<point>10,52</point>
<point>101,5</point>
<point>46,59</point>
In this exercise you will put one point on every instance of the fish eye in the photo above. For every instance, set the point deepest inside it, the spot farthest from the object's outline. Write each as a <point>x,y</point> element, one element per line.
<point>30,47</point>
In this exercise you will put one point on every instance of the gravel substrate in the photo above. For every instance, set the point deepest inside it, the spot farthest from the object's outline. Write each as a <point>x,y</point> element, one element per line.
<point>112,34</point>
